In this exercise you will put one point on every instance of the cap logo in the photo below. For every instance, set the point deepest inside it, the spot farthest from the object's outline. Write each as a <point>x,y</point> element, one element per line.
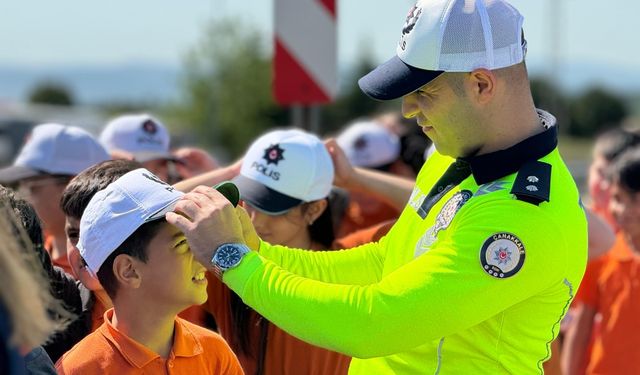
<point>273,154</point>
<point>411,20</point>
<point>155,179</point>
<point>149,127</point>
<point>360,143</point>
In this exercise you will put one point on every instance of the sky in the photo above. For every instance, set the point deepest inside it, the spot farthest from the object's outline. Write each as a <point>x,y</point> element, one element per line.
<point>72,32</point>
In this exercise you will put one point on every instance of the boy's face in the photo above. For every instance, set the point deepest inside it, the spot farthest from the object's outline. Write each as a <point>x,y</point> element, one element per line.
<point>598,185</point>
<point>72,231</point>
<point>171,275</point>
<point>625,209</point>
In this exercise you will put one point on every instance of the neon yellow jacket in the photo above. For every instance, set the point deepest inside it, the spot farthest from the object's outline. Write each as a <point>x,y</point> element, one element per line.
<point>477,286</point>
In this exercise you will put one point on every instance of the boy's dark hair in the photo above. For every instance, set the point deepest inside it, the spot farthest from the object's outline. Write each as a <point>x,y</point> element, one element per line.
<point>84,186</point>
<point>135,246</point>
<point>613,142</point>
<point>626,170</point>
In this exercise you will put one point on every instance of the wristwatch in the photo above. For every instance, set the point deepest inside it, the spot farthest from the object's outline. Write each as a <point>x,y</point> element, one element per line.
<point>227,256</point>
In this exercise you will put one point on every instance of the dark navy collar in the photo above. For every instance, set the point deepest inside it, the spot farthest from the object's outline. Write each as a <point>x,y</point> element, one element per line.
<point>492,166</point>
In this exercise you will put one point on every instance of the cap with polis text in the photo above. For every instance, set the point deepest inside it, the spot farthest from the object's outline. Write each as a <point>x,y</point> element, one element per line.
<point>448,36</point>
<point>283,169</point>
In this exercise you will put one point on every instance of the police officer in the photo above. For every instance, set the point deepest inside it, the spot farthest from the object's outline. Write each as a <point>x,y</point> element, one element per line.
<point>483,262</point>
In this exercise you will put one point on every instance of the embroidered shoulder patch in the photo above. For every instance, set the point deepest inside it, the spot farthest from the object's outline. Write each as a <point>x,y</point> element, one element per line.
<point>502,255</point>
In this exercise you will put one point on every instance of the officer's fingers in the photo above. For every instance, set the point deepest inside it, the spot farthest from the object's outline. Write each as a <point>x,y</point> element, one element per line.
<point>179,221</point>
<point>248,230</point>
<point>187,206</point>
<point>203,189</point>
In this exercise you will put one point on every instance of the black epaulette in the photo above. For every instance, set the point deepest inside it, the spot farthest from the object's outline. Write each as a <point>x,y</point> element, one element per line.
<point>533,182</point>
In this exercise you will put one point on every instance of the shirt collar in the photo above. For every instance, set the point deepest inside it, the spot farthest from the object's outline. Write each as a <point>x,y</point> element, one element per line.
<point>185,343</point>
<point>492,166</point>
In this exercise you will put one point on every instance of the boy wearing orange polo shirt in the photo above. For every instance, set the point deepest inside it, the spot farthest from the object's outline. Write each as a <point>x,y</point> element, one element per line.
<point>146,267</point>
<point>610,286</point>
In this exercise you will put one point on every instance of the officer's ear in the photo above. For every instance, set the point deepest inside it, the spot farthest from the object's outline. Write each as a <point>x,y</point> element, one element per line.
<point>481,85</point>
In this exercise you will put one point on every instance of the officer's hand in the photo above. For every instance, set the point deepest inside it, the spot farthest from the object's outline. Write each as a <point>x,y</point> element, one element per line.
<point>344,172</point>
<point>251,237</point>
<point>207,220</point>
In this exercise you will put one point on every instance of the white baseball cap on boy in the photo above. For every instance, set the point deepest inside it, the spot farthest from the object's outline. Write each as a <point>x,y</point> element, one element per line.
<point>448,36</point>
<point>55,149</point>
<point>116,212</point>
<point>283,169</point>
<point>369,144</point>
<point>143,136</point>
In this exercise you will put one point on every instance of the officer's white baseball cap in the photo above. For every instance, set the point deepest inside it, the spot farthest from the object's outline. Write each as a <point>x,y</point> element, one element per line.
<point>283,169</point>
<point>54,149</point>
<point>448,36</point>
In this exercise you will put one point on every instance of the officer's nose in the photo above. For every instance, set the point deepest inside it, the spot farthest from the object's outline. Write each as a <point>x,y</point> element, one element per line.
<point>410,105</point>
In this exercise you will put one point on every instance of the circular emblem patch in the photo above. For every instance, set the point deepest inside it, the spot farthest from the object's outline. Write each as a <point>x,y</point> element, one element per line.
<point>502,255</point>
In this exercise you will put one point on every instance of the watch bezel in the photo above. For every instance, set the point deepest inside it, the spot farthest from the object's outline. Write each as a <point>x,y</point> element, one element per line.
<point>219,264</point>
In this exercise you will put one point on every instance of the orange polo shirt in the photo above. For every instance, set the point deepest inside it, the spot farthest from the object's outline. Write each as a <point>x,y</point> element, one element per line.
<point>611,285</point>
<point>108,351</point>
<point>97,313</point>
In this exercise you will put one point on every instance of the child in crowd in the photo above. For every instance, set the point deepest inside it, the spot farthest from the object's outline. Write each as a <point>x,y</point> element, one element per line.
<point>52,155</point>
<point>146,268</point>
<point>75,198</point>
<point>370,145</point>
<point>609,287</point>
<point>284,181</point>
<point>609,145</point>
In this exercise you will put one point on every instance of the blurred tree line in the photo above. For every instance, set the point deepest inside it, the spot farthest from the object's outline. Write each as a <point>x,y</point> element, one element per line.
<point>227,100</point>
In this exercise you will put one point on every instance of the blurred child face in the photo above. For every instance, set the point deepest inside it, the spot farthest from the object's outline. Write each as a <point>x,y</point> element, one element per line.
<point>159,167</point>
<point>288,229</point>
<point>598,184</point>
<point>171,276</point>
<point>80,270</point>
<point>624,206</point>
<point>44,193</point>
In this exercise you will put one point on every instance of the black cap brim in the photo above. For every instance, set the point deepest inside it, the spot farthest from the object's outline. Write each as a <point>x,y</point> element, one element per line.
<point>264,198</point>
<point>16,173</point>
<point>395,79</point>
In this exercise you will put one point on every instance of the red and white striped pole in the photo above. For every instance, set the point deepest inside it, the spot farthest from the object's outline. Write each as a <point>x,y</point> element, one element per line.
<point>305,53</point>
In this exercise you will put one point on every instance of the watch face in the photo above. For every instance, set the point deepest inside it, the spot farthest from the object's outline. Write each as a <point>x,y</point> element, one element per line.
<point>228,256</point>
